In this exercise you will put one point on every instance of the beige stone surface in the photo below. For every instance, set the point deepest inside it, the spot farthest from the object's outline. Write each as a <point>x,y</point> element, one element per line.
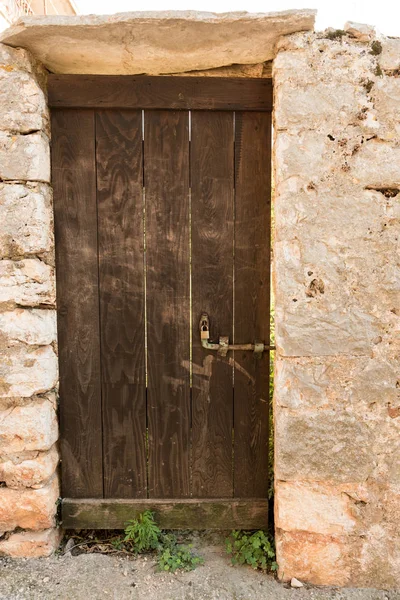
<point>28,508</point>
<point>23,102</point>
<point>24,157</point>
<point>27,371</point>
<point>28,282</point>
<point>311,557</point>
<point>30,326</point>
<point>30,427</point>
<point>154,43</point>
<point>32,472</point>
<point>377,164</point>
<point>390,57</point>
<point>31,544</point>
<point>313,507</point>
<point>26,218</point>
<point>337,287</point>
<point>360,31</point>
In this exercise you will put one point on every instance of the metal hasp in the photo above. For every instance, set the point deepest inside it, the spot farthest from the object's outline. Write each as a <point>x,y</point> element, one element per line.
<point>223,345</point>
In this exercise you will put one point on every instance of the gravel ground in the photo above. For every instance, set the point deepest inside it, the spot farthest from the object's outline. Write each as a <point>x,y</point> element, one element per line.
<point>95,576</point>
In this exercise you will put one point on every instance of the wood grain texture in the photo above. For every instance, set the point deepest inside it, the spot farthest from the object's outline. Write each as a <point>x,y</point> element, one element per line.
<point>169,514</point>
<point>212,178</point>
<point>252,301</point>
<point>166,170</point>
<point>126,91</point>
<point>121,281</point>
<point>74,184</point>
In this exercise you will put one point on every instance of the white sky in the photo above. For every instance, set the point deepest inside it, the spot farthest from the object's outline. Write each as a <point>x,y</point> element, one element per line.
<point>384,14</point>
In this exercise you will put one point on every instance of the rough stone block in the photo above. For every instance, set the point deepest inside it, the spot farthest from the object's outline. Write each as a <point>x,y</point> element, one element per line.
<point>30,326</point>
<point>28,282</point>
<point>377,165</point>
<point>31,544</point>
<point>313,558</point>
<point>360,31</point>
<point>154,43</point>
<point>24,157</point>
<point>319,105</point>
<point>389,60</point>
<point>386,98</point>
<point>323,445</point>
<point>26,218</point>
<point>28,508</point>
<point>23,103</point>
<point>313,507</point>
<point>24,372</point>
<point>33,472</point>
<point>30,427</point>
<point>17,59</point>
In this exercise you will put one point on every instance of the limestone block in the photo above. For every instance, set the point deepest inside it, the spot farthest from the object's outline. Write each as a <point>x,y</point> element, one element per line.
<point>377,165</point>
<point>27,371</point>
<point>306,59</point>
<point>28,508</point>
<point>314,558</point>
<point>360,31</point>
<point>366,382</point>
<point>26,218</point>
<point>16,59</point>
<point>24,157</point>
<point>324,445</point>
<point>386,98</point>
<point>29,326</point>
<point>28,282</point>
<point>31,544</point>
<point>389,60</point>
<point>33,472</point>
<point>23,103</point>
<point>306,153</point>
<point>31,427</point>
<point>154,42</point>
<point>319,104</point>
<point>313,507</point>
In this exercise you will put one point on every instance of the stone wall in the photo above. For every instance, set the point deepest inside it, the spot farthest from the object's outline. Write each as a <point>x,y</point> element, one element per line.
<point>337,285</point>
<point>28,367</point>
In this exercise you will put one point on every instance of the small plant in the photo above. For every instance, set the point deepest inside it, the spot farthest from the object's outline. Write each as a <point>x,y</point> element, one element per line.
<point>173,556</point>
<point>252,548</point>
<point>143,532</point>
<point>143,535</point>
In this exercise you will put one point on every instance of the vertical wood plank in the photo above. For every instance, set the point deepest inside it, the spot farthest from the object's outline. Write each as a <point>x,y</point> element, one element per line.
<point>121,282</point>
<point>212,180</point>
<point>166,167</point>
<point>74,183</point>
<point>252,301</point>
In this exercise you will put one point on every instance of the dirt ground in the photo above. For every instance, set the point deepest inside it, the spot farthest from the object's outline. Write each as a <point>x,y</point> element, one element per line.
<point>97,576</point>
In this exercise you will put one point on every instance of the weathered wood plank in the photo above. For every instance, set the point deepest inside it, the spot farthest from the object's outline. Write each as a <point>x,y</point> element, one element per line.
<point>166,175</point>
<point>121,281</point>
<point>169,514</point>
<point>126,91</point>
<point>212,177</point>
<point>252,301</point>
<point>74,184</point>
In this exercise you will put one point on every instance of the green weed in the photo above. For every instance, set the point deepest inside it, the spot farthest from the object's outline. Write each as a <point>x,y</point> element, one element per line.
<point>251,548</point>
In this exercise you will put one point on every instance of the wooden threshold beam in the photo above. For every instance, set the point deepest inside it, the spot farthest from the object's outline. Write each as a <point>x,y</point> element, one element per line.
<point>169,514</point>
<point>148,92</point>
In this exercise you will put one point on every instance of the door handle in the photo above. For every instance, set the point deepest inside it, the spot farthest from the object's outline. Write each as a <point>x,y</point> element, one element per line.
<point>223,346</point>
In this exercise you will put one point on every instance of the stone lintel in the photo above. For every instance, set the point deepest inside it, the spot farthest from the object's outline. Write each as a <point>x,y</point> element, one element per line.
<point>154,43</point>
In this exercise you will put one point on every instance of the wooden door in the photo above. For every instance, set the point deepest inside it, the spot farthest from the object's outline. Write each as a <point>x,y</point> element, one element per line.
<point>162,213</point>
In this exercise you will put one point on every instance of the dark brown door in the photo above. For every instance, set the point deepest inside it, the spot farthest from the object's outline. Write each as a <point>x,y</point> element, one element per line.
<point>162,213</point>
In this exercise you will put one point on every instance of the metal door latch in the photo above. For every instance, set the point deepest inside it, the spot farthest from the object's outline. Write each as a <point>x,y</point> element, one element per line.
<point>223,346</point>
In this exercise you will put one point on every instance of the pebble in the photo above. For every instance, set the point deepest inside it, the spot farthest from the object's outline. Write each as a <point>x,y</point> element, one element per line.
<point>46,579</point>
<point>295,583</point>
